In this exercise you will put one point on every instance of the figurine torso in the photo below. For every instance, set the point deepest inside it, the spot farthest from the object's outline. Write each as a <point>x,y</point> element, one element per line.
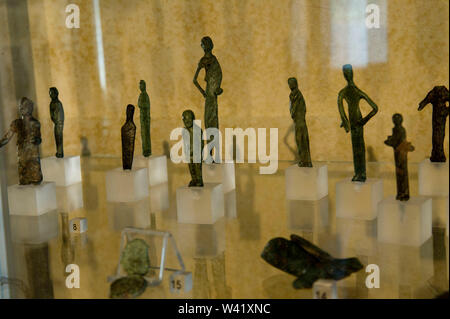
<point>57,112</point>
<point>297,107</point>
<point>213,73</point>
<point>352,95</point>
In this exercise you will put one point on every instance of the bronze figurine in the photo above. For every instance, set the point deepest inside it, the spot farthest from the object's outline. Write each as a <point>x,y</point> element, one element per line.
<point>128,136</point>
<point>194,168</point>
<point>57,116</point>
<point>144,106</point>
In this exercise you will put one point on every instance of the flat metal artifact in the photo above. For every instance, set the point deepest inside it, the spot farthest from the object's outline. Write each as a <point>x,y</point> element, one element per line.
<point>128,133</point>
<point>128,287</point>
<point>135,259</point>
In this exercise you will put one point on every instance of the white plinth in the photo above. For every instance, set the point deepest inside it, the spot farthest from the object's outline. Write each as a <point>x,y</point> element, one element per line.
<point>69,198</point>
<point>32,200</point>
<point>220,173</point>
<point>306,183</point>
<point>433,178</point>
<point>159,198</point>
<point>132,214</point>
<point>325,289</point>
<point>358,200</point>
<point>63,171</point>
<point>440,211</point>
<point>126,185</point>
<point>355,237</point>
<point>405,223</point>
<point>307,215</point>
<point>156,166</point>
<point>200,205</point>
<point>34,229</point>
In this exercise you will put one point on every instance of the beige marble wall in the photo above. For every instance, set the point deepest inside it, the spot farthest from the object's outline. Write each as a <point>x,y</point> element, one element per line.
<point>259,43</point>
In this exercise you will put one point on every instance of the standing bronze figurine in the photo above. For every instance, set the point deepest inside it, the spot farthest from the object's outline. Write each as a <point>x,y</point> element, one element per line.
<point>401,148</point>
<point>297,107</point>
<point>352,94</point>
<point>438,96</point>
<point>144,106</point>
<point>28,131</point>
<point>194,168</point>
<point>128,136</point>
<point>57,116</point>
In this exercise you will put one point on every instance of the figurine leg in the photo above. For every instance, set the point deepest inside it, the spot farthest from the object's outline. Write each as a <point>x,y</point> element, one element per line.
<point>401,171</point>
<point>145,133</point>
<point>437,153</point>
<point>359,154</point>
<point>211,114</point>
<point>59,140</point>
<point>198,174</point>
<point>302,139</point>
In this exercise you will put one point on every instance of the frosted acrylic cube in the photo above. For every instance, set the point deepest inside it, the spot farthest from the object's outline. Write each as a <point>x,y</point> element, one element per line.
<point>358,200</point>
<point>69,198</point>
<point>156,166</point>
<point>78,225</point>
<point>308,215</point>
<point>131,214</point>
<point>405,223</point>
<point>200,205</point>
<point>325,289</point>
<point>126,185</point>
<point>63,171</point>
<point>220,173</point>
<point>159,198</point>
<point>180,281</point>
<point>356,237</point>
<point>32,200</point>
<point>433,178</point>
<point>34,229</point>
<point>440,211</point>
<point>306,183</point>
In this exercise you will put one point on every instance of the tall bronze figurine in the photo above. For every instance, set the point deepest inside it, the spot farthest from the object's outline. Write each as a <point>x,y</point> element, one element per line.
<point>213,78</point>
<point>401,148</point>
<point>297,108</point>
<point>352,94</point>
<point>438,96</point>
<point>128,136</point>
<point>144,106</point>
<point>28,131</point>
<point>57,116</point>
<point>194,168</point>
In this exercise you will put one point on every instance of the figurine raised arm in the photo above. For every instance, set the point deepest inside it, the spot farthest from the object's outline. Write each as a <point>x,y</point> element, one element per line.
<point>355,121</point>
<point>194,168</point>
<point>144,106</point>
<point>57,116</point>
<point>28,131</point>
<point>128,133</point>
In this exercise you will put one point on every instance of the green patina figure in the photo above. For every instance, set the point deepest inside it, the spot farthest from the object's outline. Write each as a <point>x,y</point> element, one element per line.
<point>28,131</point>
<point>144,106</point>
<point>438,97</point>
<point>401,148</point>
<point>194,168</point>
<point>306,261</point>
<point>355,121</point>
<point>135,258</point>
<point>128,133</point>
<point>57,116</point>
<point>297,109</point>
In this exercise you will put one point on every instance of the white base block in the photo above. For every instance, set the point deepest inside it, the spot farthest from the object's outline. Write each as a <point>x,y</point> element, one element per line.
<point>220,173</point>
<point>133,214</point>
<point>126,185</point>
<point>200,205</point>
<point>440,211</point>
<point>34,229</point>
<point>32,200</point>
<point>307,215</point>
<point>69,198</point>
<point>306,183</point>
<point>156,166</point>
<point>433,178</point>
<point>63,171</point>
<point>405,223</point>
<point>358,200</point>
<point>356,237</point>
<point>159,198</point>
<point>78,225</point>
<point>325,289</point>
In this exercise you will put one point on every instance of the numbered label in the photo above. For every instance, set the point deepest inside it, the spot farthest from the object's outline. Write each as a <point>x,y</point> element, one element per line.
<point>180,281</point>
<point>78,225</point>
<point>325,289</point>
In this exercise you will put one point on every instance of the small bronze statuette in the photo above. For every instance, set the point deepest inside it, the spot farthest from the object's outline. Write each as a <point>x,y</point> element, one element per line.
<point>194,168</point>
<point>297,109</point>
<point>438,97</point>
<point>57,115</point>
<point>355,121</point>
<point>401,148</point>
<point>128,137</point>
<point>144,106</point>
<point>306,261</point>
<point>28,131</point>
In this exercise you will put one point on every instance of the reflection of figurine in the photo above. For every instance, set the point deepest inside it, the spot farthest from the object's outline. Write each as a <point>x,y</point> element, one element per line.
<point>194,168</point>
<point>306,261</point>
<point>144,106</point>
<point>85,152</point>
<point>213,78</point>
<point>401,148</point>
<point>297,108</point>
<point>28,131</point>
<point>57,115</point>
<point>352,94</point>
<point>128,136</point>
<point>438,96</point>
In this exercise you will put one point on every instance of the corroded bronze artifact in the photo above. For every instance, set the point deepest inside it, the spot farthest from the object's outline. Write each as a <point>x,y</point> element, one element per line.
<point>352,94</point>
<point>306,261</point>
<point>401,148</point>
<point>128,136</point>
<point>438,97</point>
<point>144,106</point>
<point>57,116</point>
<point>194,168</point>
<point>135,258</point>
<point>128,287</point>
<point>297,108</point>
<point>28,131</point>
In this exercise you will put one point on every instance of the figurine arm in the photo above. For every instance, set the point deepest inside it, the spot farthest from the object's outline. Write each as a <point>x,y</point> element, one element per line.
<point>7,137</point>
<point>425,101</point>
<point>345,123</point>
<point>196,82</point>
<point>372,104</point>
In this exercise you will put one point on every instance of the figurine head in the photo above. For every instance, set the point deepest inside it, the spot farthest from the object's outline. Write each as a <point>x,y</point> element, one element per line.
<point>188,118</point>
<point>25,107</point>
<point>397,118</point>
<point>130,112</point>
<point>292,82</point>
<point>53,93</point>
<point>142,85</point>
<point>207,44</point>
<point>348,72</point>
